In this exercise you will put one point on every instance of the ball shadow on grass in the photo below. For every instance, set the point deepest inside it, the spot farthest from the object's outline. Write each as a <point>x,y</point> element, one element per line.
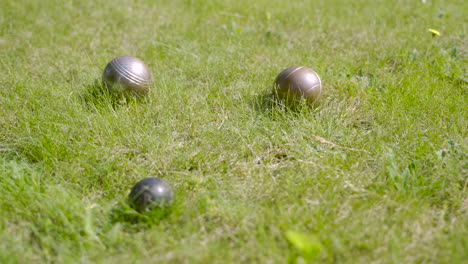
<point>132,219</point>
<point>270,102</point>
<point>99,95</point>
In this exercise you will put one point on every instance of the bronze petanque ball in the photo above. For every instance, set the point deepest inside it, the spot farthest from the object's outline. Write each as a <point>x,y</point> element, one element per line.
<point>297,83</point>
<point>150,193</point>
<point>129,74</point>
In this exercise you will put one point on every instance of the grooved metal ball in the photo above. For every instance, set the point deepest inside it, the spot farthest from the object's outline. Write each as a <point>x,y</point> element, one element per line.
<point>298,82</point>
<point>127,73</point>
<point>150,193</point>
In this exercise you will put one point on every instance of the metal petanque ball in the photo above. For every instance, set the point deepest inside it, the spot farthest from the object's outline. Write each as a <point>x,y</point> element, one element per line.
<point>129,74</point>
<point>298,82</point>
<point>150,193</point>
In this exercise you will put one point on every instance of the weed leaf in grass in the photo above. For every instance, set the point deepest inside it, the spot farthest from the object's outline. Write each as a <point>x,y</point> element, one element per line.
<point>309,245</point>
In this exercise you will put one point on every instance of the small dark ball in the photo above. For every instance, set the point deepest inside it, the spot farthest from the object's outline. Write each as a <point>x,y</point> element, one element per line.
<point>150,193</point>
<point>129,74</point>
<point>296,83</point>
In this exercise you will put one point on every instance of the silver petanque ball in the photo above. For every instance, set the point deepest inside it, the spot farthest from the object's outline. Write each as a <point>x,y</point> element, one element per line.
<point>129,74</point>
<point>151,193</point>
<point>297,83</point>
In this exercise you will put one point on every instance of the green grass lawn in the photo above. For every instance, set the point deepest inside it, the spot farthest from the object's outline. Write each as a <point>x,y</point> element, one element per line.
<point>376,173</point>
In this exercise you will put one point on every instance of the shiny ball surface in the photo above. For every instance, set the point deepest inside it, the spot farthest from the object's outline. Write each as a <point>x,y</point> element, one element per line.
<point>298,82</point>
<point>150,193</point>
<point>129,74</point>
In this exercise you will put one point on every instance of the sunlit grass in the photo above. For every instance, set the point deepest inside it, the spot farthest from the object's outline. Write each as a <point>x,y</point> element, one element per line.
<point>377,172</point>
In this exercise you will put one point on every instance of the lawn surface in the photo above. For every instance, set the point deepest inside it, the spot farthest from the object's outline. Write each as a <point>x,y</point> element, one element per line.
<point>376,173</point>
